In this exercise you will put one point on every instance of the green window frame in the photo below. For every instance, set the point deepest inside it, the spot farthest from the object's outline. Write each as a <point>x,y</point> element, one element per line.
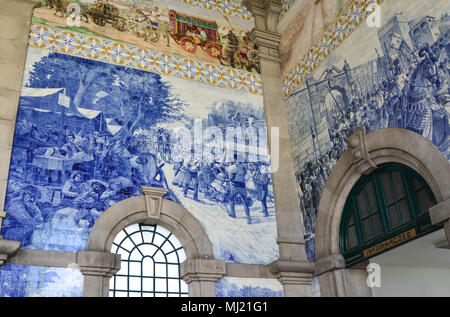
<point>388,202</point>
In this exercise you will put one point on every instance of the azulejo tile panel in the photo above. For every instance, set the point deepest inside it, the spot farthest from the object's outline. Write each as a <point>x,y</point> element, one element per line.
<point>336,34</point>
<point>117,53</point>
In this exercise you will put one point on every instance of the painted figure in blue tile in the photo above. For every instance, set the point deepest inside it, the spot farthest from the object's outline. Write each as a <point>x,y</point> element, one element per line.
<point>261,181</point>
<point>24,215</point>
<point>237,173</point>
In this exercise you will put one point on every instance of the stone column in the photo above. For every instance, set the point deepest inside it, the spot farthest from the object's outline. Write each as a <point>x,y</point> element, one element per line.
<point>201,275</point>
<point>15,20</point>
<point>440,216</point>
<point>97,268</point>
<point>290,240</point>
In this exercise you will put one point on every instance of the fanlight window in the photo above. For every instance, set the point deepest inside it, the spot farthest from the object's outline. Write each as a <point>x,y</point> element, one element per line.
<point>150,263</point>
<point>382,205</point>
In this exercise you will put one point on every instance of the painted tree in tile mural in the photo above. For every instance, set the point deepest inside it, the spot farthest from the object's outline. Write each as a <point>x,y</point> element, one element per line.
<point>83,142</point>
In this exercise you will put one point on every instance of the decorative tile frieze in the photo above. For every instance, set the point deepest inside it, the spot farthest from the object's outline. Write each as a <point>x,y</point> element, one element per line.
<point>336,34</point>
<point>84,46</point>
<point>225,7</point>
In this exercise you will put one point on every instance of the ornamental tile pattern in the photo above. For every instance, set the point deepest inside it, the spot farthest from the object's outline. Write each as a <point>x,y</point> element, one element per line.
<point>336,34</point>
<point>117,53</point>
<point>225,7</point>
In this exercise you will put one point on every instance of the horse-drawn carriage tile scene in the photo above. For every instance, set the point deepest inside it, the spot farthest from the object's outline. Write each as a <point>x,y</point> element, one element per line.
<point>210,31</point>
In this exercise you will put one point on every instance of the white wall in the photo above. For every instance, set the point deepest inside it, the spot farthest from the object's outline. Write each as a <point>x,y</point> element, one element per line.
<point>418,268</point>
<point>413,281</point>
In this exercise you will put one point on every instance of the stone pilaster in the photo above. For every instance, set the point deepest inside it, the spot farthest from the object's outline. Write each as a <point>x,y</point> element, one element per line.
<point>97,268</point>
<point>202,275</point>
<point>297,279</point>
<point>15,20</point>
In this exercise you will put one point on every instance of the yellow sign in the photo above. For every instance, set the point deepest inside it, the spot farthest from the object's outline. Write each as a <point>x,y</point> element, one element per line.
<point>392,242</point>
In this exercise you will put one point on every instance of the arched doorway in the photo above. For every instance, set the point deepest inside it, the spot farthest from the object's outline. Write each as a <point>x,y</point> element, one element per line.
<point>366,153</point>
<point>386,208</point>
<point>386,221</point>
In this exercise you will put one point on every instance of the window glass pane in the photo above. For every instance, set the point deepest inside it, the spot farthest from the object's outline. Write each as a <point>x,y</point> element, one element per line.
<point>363,203</point>
<point>121,282</point>
<point>174,285</point>
<point>404,210</point>
<point>137,238</point>
<point>173,270</point>
<point>398,185</point>
<point>352,239</point>
<point>135,284</point>
<point>393,215</point>
<point>351,220</point>
<point>148,236</point>
<point>147,267</point>
<point>377,224</point>
<point>416,183</point>
<point>160,285</point>
<point>372,197</point>
<point>147,284</point>
<point>136,255</point>
<point>387,188</point>
<point>135,268</point>
<point>368,229</point>
<point>424,200</point>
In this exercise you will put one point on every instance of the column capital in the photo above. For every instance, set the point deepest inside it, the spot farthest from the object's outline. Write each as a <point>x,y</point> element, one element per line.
<point>266,13</point>
<point>102,264</point>
<point>295,276</point>
<point>202,270</point>
<point>7,248</point>
<point>264,35</point>
<point>329,263</point>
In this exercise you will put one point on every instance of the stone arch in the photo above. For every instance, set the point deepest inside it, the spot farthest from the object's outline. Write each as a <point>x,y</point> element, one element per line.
<point>364,153</point>
<point>97,263</point>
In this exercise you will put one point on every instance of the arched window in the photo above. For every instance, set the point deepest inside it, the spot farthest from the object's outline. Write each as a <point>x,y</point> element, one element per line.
<point>384,209</point>
<point>150,265</point>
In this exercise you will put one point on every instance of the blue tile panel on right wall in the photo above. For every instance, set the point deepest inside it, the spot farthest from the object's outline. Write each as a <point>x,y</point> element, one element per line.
<point>395,76</point>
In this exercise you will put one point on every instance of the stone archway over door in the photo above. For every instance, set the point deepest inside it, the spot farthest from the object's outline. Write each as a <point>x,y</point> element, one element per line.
<point>364,153</point>
<point>97,264</point>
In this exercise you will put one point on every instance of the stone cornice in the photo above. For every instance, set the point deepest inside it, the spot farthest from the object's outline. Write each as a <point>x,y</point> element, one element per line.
<point>202,270</point>
<point>98,263</point>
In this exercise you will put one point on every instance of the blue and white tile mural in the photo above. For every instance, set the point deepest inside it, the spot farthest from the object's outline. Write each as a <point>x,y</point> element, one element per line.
<point>248,287</point>
<point>393,76</point>
<point>38,281</point>
<point>90,134</point>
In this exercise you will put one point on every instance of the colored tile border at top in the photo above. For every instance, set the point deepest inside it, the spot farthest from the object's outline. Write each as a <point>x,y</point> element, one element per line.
<point>112,52</point>
<point>336,34</point>
<point>285,6</point>
<point>225,7</point>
